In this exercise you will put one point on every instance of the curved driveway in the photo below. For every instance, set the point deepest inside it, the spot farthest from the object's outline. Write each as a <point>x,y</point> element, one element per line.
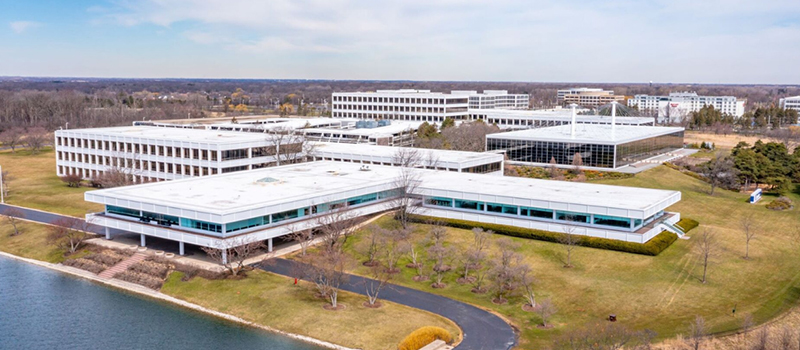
<point>482,329</point>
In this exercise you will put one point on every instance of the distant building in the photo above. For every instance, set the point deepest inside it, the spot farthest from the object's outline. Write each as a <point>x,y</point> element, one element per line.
<point>511,119</point>
<point>678,105</point>
<point>587,97</point>
<point>421,105</point>
<point>790,103</point>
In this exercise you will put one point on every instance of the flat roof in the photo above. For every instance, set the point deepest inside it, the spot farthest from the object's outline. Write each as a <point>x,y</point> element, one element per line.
<point>589,133</point>
<point>388,152</point>
<point>556,115</point>
<point>246,191</point>
<point>171,134</point>
<point>576,193</point>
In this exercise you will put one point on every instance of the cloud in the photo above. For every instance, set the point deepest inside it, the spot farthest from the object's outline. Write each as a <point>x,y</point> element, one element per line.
<point>580,40</point>
<point>21,26</point>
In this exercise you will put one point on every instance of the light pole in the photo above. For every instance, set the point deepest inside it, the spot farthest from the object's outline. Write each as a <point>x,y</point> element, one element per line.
<point>2,190</point>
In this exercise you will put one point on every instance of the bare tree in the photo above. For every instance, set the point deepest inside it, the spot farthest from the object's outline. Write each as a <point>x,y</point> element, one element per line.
<point>479,280</point>
<point>232,253</point>
<point>707,249</point>
<point>303,237</point>
<point>123,170</point>
<point>570,240</point>
<point>407,181</point>
<point>474,255</point>
<point>504,273</point>
<point>408,157</point>
<point>528,281</point>
<point>747,324</point>
<point>336,226</point>
<point>12,137</point>
<point>371,243</point>
<point>439,254</point>
<point>577,164</point>
<point>326,269</point>
<point>36,138</point>
<point>288,146</point>
<point>697,333</point>
<point>69,233</point>
<point>546,309</point>
<point>393,244</point>
<point>13,216</point>
<point>555,173</point>
<point>750,230</point>
<point>379,279</point>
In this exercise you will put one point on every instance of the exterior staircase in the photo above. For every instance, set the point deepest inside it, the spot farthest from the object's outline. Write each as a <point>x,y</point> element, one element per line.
<point>674,229</point>
<point>122,266</point>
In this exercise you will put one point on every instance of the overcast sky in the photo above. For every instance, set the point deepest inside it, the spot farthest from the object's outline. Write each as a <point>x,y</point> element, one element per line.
<point>708,41</point>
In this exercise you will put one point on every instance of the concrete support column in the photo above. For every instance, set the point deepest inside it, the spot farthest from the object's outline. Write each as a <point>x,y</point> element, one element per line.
<point>224,256</point>
<point>108,233</point>
<point>142,239</point>
<point>180,248</point>
<point>269,245</point>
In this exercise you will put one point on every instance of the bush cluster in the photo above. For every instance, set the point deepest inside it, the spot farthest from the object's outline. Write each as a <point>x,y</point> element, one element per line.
<point>687,224</point>
<point>424,336</point>
<point>152,268</point>
<point>106,257</point>
<point>190,272</point>
<point>653,247</point>
<point>140,279</point>
<point>86,264</point>
<point>781,203</point>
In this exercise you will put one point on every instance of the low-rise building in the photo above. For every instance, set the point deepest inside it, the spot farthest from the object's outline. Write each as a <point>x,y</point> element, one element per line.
<point>232,209</point>
<point>587,97</point>
<point>510,119</point>
<point>790,103</point>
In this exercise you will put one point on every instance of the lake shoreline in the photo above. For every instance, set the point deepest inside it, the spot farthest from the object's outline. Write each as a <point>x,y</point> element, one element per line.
<point>158,296</point>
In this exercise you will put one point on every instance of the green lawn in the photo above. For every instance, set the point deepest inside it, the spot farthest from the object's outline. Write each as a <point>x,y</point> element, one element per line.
<point>274,301</point>
<point>33,183</point>
<point>660,293</point>
<point>30,243</point>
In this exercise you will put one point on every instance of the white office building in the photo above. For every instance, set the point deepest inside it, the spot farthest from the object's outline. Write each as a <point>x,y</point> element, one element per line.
<point>263,204</point>
<point>421,105</point>
<point>679,105</point>
<point>149,153</point>
<point>587,97</point>
<point>790,103</point>
<point>511,119</point>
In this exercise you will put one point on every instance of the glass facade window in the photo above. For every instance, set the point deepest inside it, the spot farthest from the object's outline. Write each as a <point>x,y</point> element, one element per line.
<point>612,221</point>
<point>162,219</point>
<point>501,208</point>
<point>287,215</point>
<point>536,213</point>
<point>123,211</point>
<point>635,151</point>
<point>572,216</point>
<point>462,204</point>
<point>362,199</point>
<point>440,202</point>
<point>201,225</point>
<point>245,224</point>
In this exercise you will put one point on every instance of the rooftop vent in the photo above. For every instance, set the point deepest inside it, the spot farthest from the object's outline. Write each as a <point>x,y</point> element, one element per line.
<point>267,180</point>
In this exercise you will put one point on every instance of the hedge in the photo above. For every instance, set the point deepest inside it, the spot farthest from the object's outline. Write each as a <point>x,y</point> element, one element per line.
<point>424,336</point>
<point>687,224</point>
<point>653,247</point>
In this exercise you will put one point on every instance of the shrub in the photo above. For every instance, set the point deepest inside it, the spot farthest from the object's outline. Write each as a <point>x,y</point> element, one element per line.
<point>85,264</point>
<point>653,247</point>
<point>140,279</point>
<point>687,224</point>
<point>106,257</point>
<point>781,203</point>
<point>157,270</point>
<point>424,336</point>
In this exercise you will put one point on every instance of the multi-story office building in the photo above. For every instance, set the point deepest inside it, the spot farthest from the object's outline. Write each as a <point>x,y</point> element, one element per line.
<point>790,103</point>
<point>152,154</point>
<point>678,105</point>
<point>413,105</point>
<point>148,153</point>
<point>494,99</point>
<point>421,105</point>
<point>602,147</point>
<point>587,97</point>
<point>233,209</point>
<point>509,119</point>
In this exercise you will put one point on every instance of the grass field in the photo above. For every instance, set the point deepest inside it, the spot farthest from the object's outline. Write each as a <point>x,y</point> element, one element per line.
<point>30,243</point>
<point>33,183</point>
<point>660,293</point>
<point>274,301</point>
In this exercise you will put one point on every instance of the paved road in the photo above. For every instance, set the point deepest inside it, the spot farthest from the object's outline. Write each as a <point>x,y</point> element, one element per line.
<point>482,329</point>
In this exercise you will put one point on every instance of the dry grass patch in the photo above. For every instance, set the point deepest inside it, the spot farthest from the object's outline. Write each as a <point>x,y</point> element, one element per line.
<point>31,243</point>
<point>34,184</point>
<point>274,301</point>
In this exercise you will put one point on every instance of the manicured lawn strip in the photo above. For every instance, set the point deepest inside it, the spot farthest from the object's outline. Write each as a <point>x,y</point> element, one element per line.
<point>274,301</point>
<point>34,184</point>
<point>662,293</point>
<point>31,243</point>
